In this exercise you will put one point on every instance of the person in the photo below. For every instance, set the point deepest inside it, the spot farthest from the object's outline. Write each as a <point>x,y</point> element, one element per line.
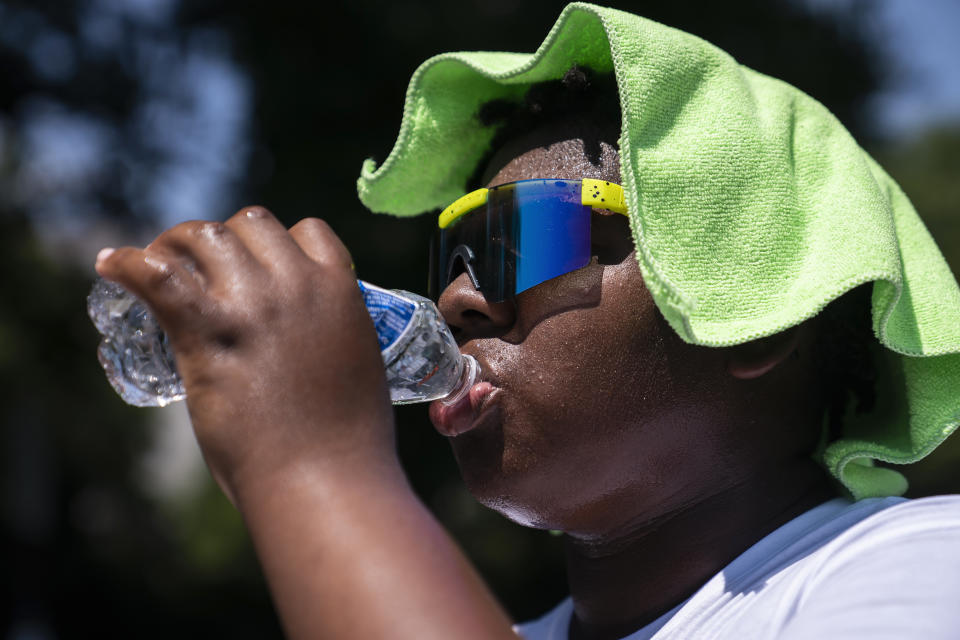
<point>677,404</point>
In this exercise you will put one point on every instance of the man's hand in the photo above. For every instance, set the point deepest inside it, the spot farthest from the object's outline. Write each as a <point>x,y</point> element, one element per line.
<point>287,395</point>
<point>276,349</point>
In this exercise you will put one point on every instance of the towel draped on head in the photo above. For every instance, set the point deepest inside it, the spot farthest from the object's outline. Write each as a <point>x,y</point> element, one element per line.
<point>751,209</point>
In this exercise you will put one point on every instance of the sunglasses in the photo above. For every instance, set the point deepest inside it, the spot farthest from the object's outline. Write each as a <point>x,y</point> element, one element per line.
<point>516,235</point>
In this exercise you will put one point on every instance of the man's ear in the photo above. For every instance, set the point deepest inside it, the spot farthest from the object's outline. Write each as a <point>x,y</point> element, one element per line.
<point>753,359</point>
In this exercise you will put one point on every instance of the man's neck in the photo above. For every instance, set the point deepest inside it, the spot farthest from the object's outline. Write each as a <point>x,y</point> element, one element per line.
<point>621,582</point>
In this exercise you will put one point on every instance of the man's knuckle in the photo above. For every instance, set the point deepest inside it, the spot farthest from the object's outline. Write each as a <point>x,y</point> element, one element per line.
<point>190,226</point>
<point>315,224</point>
<point>160,273</point>
<point>312,230</point>
<point>177,231</point>
<point>255,212</point>
<point>211,229</point>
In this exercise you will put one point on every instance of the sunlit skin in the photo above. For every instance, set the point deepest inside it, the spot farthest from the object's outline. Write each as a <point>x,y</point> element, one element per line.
<point>660,460</point>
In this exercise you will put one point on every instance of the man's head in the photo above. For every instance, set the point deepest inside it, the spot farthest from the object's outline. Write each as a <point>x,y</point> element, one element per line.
<point>752,208</point>
<point>602,413</point>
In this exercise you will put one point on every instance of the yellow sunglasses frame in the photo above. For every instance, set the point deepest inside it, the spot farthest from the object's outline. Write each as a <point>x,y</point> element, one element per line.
<point>598,194</point>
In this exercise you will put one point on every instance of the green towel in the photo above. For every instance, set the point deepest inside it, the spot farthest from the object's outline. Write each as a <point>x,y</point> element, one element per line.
<point>751,208</point>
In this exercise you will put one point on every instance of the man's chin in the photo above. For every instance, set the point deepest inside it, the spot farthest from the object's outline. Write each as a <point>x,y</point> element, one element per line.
<point>504,478</point>
<point>511,496</point>
<point>515,511</point>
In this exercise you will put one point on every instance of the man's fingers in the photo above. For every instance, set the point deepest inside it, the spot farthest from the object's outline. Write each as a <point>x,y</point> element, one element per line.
<point>218,254</point>
<point>177,272</point>
<point>320,243</point>
<point>158,277</point>
<point>265,237</point>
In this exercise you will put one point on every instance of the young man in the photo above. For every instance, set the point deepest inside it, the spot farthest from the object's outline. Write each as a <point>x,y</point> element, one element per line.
<point>660,399</point>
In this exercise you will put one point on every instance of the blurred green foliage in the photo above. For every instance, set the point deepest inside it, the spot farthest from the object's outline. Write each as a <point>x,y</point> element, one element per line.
<point>927,168</point>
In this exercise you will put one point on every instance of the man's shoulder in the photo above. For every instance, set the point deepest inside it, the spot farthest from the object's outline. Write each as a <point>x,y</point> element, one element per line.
<point>840,567</point>
<point>923,526</point>
<point>838,562</point>
<point>894,574</point>
<point>929,509</point>
<point>909,520</point>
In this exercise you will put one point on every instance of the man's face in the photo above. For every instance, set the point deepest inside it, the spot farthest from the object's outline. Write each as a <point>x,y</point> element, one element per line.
<point>601,412</point>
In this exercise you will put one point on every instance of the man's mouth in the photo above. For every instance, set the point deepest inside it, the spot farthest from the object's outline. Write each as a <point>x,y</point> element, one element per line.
<point>452,420</point>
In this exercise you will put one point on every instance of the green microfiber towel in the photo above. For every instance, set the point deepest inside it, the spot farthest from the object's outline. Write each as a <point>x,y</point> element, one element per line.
<point>750,205</point>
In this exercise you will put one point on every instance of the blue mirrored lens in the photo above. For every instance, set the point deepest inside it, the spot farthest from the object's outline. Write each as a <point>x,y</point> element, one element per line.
<point>529,232</point>
<point>551,230</point>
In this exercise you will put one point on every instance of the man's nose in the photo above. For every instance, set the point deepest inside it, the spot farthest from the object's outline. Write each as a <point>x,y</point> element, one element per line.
<point>470,315</point>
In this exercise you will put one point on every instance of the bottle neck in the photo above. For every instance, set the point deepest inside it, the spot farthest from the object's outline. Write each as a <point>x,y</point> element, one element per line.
<point>469,376</point>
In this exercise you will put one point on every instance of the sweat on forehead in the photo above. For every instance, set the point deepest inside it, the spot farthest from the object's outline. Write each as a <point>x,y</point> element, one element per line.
<point>567,149</point>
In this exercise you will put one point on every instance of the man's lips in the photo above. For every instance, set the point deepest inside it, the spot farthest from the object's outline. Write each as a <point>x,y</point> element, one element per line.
<point>452,420</point>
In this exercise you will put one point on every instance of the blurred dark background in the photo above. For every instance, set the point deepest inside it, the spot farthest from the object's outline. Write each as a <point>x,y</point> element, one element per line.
<point>119,118</point>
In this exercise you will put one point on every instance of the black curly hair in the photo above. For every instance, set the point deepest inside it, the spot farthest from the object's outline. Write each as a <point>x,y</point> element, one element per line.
<point>579,93</point>
<point>843,350</point>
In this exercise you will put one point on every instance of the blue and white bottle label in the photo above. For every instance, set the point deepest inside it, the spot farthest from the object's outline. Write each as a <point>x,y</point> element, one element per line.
<point>390,312</point>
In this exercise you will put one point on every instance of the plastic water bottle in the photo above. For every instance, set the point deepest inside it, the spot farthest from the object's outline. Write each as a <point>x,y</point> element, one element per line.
<point>421,357</point>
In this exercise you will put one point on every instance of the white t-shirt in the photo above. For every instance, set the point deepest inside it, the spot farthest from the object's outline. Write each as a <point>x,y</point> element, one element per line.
<point>877,569</point>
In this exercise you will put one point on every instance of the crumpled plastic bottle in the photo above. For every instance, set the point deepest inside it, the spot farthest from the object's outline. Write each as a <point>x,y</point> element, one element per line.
<point>421,357</point>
